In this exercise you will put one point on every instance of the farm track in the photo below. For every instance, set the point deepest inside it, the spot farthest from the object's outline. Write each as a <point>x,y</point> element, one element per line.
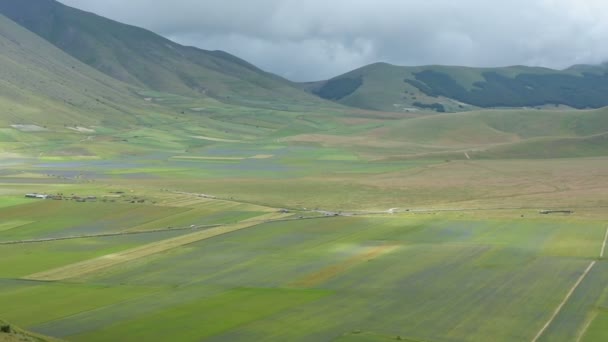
<point>107,261</point>
<point>570,293</point>
<point>346,212</point>
<point>563,303</point>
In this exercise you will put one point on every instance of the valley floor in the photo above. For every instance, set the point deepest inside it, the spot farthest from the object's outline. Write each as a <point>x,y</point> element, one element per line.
<point>344,251</point>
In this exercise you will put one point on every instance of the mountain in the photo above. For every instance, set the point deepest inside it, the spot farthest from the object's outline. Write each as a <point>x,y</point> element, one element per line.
<point>53,105</point>
<point>388,87</point>
<point>147,60</point>
<point>40,84</point>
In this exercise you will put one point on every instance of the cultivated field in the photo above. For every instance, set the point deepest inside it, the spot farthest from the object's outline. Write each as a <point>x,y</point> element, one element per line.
<point>418,276</point>
<point>347,229</point>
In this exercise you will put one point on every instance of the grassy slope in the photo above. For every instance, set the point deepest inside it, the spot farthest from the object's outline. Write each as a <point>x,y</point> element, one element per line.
<point>488,133</point>
<point>41,84</point>
<point>142,58</point>
<point>384,88</point>
<point>492,134</point>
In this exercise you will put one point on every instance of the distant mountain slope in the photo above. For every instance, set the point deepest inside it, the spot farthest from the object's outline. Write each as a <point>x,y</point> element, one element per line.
<point>387,87</point>
<point>53,105</point>
<point>145,59</point>
<point>40,84</point>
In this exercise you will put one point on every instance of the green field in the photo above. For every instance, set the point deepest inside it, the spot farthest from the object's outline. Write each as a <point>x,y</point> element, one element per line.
<point>421,277</point>
<point>191,245</point>
<point>185,240</point>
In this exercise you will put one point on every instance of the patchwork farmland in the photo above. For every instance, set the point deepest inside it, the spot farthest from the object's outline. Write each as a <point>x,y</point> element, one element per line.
<point>308,244</point>
<point>419,275</point>
<point>155,192</point>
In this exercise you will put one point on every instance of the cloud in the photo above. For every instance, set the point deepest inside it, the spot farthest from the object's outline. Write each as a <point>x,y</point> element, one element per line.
<point>317,39</point>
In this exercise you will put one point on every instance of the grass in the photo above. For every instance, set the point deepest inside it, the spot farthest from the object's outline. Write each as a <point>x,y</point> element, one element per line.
<point>442,274</point>
<point>229,310</point>
<point>55,301</point>
<point>11,201</point>
<point>445,277</point>
<point>39,257</point>
<point>109,260</point>
<point>597,330</point>
<point>62,218</point>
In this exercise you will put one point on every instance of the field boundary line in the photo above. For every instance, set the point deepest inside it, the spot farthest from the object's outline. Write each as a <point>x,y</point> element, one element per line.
<point>604,245</point>
<point>563,303</point>
<point>102,235</point>
<point>106,261</point>
<point>152,231</point>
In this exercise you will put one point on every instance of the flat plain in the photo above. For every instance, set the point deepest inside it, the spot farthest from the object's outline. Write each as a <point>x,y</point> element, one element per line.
<point>309,244</point>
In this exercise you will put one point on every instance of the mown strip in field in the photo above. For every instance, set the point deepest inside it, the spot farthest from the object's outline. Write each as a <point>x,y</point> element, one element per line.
<point>106,261</point>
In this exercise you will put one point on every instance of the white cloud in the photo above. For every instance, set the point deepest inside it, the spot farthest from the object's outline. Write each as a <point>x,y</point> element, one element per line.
<point>314,39</point>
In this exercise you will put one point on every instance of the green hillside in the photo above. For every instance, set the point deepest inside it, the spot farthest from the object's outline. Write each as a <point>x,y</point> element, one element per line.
<point>387,87</point>
<point>53,105</point>
<point>42,85</point>
<point>144,59</point>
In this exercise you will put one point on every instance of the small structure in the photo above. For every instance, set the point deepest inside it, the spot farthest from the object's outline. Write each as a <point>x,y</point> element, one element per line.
<point>547,212</point>
<point>37,196</point>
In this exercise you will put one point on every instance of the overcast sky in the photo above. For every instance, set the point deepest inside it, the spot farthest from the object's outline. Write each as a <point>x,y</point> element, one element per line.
<point>307,40</point>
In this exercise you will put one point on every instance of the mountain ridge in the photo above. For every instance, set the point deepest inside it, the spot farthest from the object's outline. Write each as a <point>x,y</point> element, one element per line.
<point>145,59</point>
<point>387,87</point>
